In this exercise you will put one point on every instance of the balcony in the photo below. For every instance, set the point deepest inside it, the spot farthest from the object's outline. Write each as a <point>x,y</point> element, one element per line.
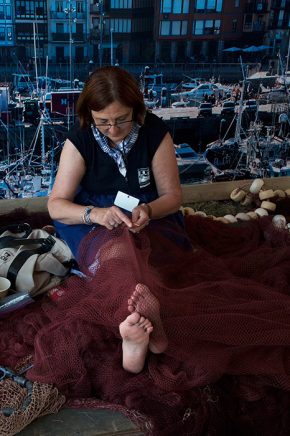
<point>256,8</point>
<point>63,16</point>
<point>57,15</point>
<point>254,27</point>
<point>64,37</point>
<point>276,4</point>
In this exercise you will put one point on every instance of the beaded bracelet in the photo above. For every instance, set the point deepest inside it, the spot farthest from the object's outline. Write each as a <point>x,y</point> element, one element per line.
<point>86,215</point>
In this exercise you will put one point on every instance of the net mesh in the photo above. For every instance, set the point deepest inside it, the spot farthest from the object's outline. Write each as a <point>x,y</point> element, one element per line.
<point>225,308</point>
<point>24,405</point>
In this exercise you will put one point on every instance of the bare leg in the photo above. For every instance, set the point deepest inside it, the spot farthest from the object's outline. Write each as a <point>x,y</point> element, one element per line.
<point>145,303</point>
<point>135,331</point>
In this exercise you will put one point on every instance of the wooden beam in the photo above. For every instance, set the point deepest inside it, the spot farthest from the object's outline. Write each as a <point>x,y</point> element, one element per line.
<point>32,204</point>
<point>191,194</point>
<point>222,190</point>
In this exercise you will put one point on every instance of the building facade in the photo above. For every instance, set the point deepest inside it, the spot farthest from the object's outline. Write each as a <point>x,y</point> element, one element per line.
<point>200,30</point>
<point>74,32</point>
<point>68,30</point>
<point>7,35</point>
<point>277,32</point>
<point>122,30</point>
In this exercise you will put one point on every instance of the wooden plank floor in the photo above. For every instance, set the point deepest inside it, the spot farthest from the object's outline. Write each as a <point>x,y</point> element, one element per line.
<point>82,422</point>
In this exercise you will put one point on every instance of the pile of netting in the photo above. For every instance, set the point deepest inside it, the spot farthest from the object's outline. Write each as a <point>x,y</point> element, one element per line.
<point>224,294</point>
<point>23,401</point>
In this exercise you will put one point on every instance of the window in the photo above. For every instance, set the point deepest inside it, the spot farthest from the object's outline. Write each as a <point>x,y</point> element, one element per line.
<point>79,53</point>
<point>9,33</point>
<point>234,25</point>
<point>219,5</point>
<point>165,28</point>
<point>59,53</point>
<point>80,7</point>
<point>8,12</point>
<point>39,11</point>
<point>174,6</point>
<point>59,6</point>
<point>198,27</point>
<point>200,5</point>
<point>237,3</point>
<point>121,25</point>
<point>1,12</point>
<point>121,4</point>
<point>2,33</point>
<point>176,28</point>
<point>30,9</point>
<point>79,28</point>
<point>280,19</point>
<point>166,6</point>
<point>206,27</point>
<point>209,5</point>
<point>59,27</point>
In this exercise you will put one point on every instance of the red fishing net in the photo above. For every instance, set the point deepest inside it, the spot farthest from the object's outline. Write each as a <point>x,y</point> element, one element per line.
<point>225,307</point>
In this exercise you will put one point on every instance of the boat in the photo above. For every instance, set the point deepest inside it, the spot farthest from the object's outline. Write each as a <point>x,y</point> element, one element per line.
<point>279,168</point>
<point>249,153</point>
<point>181,103</point>
<point>152,83</point>
<point>203,90</point>
<point>255,153</point>
<point>30,171</point>
<point>192,166</point>
<point>284,79</point>
<point>276,94</point>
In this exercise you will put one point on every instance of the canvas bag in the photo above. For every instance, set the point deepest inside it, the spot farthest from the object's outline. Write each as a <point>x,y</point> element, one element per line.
<point>33,260</point>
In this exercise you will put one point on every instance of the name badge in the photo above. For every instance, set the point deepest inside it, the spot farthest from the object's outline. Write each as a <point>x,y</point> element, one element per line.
<point>126,201</point>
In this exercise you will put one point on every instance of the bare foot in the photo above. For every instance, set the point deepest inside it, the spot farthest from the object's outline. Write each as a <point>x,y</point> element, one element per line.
<point>135,331</point>
<point>145,303</point>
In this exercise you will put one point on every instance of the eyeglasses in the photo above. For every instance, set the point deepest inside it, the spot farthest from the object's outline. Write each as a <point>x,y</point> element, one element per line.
<point>118,124</point>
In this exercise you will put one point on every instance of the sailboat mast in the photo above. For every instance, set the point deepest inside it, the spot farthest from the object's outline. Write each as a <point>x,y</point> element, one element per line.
<point>288,54</point>
<point>35,58</point>
<point>239,117</point>
<point>42,139</point>
<point>52,169</point>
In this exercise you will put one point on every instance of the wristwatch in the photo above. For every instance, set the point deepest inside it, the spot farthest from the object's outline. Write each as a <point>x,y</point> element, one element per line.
<point>86,216</point>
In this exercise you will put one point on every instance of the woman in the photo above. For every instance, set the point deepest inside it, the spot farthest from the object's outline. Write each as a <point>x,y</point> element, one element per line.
<point>118,167</point>
<point>118,146</point>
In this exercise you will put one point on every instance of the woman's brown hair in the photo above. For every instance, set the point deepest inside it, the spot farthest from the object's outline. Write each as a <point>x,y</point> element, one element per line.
<point>103,87</point>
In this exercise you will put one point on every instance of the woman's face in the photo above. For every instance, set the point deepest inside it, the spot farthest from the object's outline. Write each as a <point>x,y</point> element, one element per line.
<point>115,121</point>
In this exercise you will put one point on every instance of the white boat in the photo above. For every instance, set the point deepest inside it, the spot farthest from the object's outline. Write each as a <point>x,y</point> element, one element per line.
<point>279,168</point>
<point>199,92</point>
<point>181,103</point>
<point>204,89</point>
<point>191,164</point>
<point>284,79</point>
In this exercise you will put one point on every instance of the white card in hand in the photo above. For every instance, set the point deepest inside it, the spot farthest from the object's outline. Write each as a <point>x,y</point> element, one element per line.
<point>126,201</point>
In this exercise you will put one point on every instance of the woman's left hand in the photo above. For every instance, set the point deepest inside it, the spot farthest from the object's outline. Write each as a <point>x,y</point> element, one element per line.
<point>140,218</point>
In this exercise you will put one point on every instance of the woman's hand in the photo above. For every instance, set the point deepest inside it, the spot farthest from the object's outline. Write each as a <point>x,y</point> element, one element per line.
<point>110,217</point>
<point>140,218</point>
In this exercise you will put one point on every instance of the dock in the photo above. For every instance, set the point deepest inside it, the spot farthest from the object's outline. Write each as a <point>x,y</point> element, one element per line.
<point>182,113</point>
